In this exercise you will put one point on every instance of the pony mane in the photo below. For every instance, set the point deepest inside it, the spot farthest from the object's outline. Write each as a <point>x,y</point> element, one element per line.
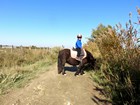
<point>89,54</point>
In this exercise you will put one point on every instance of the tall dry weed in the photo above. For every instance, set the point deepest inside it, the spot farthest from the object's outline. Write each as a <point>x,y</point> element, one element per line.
<point>120,64</point>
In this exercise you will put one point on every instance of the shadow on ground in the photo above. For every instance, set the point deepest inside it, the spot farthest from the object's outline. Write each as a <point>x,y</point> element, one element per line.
<point>71,69</point>
<point>98,100</point>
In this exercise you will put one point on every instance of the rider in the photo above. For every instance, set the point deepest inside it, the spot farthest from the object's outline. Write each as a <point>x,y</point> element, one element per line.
<point>78,45</point>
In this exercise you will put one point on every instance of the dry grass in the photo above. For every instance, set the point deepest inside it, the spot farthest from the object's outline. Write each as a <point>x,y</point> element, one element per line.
<point>18,66</point>
<point>119,72</point>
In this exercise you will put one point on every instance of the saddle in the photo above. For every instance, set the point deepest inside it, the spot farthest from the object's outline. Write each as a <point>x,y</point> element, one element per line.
<point>73,53</point>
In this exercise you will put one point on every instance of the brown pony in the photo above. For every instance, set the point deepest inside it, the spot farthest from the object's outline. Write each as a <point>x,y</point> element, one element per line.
<point>64,56</point>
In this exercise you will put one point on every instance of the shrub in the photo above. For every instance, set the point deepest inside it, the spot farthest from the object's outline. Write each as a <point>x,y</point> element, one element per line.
<point>119,69</point>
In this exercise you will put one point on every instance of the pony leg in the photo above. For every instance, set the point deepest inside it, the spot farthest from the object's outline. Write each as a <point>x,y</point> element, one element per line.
<point>59,65</point>
<point>59,70</point>
<point>77,72</point>
<point>63,70</point>
<point>82,71</point>
<point>79,69</point>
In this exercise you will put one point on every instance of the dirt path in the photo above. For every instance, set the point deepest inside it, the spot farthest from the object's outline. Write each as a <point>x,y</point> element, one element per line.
<point>50,88</point>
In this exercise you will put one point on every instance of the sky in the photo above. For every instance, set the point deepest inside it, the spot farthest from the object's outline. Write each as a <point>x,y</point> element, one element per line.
<point>50,23</point>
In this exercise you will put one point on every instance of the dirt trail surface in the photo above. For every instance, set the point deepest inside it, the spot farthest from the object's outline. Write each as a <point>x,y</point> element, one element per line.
<point>50,88</point>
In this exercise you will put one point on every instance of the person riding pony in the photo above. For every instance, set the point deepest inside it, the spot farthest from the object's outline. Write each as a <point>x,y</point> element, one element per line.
<point>78,45</point>
<point>69,56</point>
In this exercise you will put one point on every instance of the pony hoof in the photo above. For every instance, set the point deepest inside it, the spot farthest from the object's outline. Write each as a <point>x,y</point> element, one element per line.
<point>59,72</point>
<point>83,74</point>
<point>76,74</point>
<point>65,74</point>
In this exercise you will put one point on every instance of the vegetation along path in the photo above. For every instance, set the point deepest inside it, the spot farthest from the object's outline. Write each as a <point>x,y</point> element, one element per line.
<point>50,88</point>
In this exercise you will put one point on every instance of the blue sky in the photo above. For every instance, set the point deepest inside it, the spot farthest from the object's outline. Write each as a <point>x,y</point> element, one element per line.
<point>57,22</point>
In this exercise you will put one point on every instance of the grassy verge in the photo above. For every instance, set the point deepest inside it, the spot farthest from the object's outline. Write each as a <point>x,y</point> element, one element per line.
<point>19,76</point>
<point>13,75</point>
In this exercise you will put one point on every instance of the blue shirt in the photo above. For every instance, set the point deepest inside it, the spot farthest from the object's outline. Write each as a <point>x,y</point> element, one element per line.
<point>78,44</point>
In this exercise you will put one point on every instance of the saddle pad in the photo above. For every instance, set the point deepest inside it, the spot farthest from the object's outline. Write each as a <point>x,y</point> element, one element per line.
<point>74,54</point>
